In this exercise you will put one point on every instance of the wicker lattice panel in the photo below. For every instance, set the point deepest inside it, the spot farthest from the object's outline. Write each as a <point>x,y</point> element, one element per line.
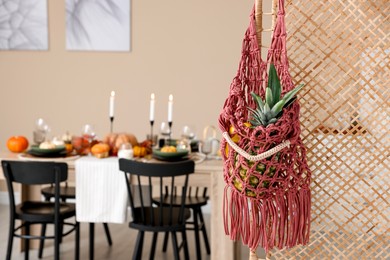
<point>340,50</point>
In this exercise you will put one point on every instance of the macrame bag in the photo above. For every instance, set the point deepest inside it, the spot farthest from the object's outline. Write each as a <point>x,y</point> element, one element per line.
<point>267,195</point>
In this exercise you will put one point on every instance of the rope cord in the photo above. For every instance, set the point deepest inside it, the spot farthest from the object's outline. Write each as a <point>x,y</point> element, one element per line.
<point>257,157</point>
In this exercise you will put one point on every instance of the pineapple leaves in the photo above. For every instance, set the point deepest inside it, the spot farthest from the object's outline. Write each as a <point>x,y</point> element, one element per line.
<point>268,97</point>
<point>278,107</point>
<point>259,101</point>
<point>269,110</point>
<point>274,84</point>
<point>289,95</point>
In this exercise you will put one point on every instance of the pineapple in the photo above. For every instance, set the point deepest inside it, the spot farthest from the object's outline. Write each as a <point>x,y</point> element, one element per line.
<point>268,111</point>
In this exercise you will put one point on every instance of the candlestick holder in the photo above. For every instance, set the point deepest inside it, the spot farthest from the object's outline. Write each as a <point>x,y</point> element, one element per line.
<point>111,124</point>
<point>151,132</point>
<point>170,132</point>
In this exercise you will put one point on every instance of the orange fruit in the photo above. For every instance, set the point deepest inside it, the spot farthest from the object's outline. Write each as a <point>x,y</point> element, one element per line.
<point>17,144</point>
<point>69,148</point>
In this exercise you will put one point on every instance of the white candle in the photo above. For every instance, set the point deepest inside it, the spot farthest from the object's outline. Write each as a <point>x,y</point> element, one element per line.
<point>112,97</point>
<point>152,101</point>
<point>170,108</point>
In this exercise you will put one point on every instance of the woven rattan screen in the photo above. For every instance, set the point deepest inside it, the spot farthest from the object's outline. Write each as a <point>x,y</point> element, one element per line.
<point>340,50</point>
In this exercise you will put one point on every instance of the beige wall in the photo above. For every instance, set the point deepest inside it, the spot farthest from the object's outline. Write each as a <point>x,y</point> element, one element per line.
<point>188,48</point>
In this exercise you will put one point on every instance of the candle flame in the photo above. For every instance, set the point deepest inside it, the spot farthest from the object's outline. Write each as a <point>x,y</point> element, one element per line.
<point>152,96</point>
<point>170,97</point>
<point>112,93</point>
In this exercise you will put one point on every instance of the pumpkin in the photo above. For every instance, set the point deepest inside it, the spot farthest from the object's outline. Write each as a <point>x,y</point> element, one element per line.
<point>100,150</point>
<point>139,151</point>
<point>115,140</point>
<point>17,144</point>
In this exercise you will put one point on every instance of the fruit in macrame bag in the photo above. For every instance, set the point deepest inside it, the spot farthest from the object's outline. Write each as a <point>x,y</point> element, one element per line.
<point>268,111</point>
<point>234,136</point>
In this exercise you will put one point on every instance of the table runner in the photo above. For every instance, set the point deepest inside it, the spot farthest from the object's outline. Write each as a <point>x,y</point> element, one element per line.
<point>100,191</point>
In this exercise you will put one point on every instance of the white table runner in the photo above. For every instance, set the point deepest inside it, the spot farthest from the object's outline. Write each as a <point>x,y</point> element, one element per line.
<point>101,194</point>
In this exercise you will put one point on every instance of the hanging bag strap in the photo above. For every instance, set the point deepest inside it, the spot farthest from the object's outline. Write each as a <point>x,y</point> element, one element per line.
<point>257,157</point>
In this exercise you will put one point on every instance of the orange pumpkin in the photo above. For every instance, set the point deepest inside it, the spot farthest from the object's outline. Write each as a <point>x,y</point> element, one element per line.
<point>115,140</point>
<point>17,144</point>
<point>139,151</point>
<point>100,150</point>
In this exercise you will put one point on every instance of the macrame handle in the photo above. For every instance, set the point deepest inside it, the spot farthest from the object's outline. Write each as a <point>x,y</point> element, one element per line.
<point>257,157</point>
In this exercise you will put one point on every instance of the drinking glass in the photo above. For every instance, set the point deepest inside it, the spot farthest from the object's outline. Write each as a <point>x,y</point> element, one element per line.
<point>165,131</point>
<point>188,132</point>
<point>205,147</point>
<point>41,131</point>
<point>88,133</point>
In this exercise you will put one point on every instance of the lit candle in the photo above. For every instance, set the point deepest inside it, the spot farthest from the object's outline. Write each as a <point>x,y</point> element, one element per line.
<point>152,101</point>
<point>170,108</point>
<point>112,97</point>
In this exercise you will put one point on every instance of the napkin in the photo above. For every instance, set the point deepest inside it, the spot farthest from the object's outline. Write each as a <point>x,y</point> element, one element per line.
<point>101,193</point>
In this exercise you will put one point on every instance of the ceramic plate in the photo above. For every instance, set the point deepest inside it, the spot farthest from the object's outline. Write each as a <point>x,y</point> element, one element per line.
<point>180,154</point>
<point>55,152</point>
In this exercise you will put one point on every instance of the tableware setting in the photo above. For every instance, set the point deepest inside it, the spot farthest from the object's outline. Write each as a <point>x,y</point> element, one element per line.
<point>161,146</point>
<point>55,151</point>
<point>174,155</point>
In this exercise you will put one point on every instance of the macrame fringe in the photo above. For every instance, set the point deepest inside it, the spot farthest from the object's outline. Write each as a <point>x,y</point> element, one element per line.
<point>280,221</point>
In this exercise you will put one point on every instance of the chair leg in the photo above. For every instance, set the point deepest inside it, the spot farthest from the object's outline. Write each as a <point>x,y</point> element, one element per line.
<point>175,247</point>
<point>108,235</point>
<point>10,239</point>
<point>206,240</point>
<point>165,244</point>
<point>91,240</point>
<point>42,241</point>
<point>138,246</point>
<point>185,245</point>
<point>196,229</point>
<point>153,249</point>
<point>43,233</point>
<point>77,238</point>
<point>57,235</point>
<point>27,242</point>
<point>61,226</point>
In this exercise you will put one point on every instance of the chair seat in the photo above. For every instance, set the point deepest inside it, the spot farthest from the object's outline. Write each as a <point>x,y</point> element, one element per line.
<point>153,224</point>
<point>190,202</point>
<point>65,192</point>
<point>37,211</point>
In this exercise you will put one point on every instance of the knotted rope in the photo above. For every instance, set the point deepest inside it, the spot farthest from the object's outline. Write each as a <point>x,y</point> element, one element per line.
<point>267,195</point>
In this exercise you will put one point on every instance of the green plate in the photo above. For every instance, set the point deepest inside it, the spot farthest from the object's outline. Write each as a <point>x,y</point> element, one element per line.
<point>36,151</point>
<point>180,153</point>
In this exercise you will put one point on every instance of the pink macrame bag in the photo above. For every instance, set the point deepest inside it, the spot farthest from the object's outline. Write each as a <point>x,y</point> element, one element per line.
<point>267,193</point>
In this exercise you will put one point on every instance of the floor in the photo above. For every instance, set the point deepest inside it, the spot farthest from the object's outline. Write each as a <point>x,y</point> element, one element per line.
<point>123,243</point>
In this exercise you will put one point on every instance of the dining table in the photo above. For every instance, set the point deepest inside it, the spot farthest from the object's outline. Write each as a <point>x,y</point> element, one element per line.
<point>208,173</point>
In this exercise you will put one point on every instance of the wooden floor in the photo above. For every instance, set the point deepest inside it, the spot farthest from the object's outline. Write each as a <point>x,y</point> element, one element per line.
<point>123,243</point>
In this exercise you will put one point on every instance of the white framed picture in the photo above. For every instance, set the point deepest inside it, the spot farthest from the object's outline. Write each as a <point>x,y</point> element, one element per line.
<point>98,25</point>
<point>23,25</point>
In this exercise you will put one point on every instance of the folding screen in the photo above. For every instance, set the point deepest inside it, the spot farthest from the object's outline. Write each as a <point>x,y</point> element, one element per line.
<point>340,50</point>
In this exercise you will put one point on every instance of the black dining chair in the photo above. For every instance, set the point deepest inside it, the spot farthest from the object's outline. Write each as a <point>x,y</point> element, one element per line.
<point>147,181</point>
<point>196,198</point>
<point>39,212</point>
<point>66,192</point>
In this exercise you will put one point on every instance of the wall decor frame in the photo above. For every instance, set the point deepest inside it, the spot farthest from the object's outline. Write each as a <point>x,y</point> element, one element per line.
<point>102,25</point>
<point>23,25</point>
